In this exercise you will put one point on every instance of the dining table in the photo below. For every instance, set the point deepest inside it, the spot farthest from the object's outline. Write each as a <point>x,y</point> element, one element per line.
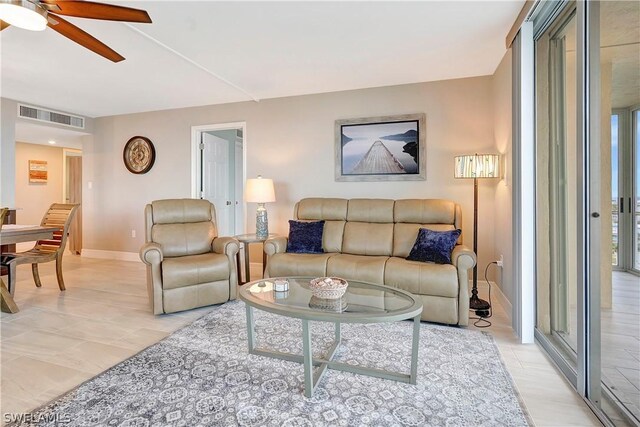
<point>10,234</point>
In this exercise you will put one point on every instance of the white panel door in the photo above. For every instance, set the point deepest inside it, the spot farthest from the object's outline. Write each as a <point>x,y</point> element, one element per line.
<point>215,181</point>
<point>239,198</point>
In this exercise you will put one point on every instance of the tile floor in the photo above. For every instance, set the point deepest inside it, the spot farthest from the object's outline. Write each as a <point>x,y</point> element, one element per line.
<point>59,340</point>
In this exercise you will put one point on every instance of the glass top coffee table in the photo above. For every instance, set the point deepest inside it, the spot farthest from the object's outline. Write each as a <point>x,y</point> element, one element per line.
<point>362,303</point>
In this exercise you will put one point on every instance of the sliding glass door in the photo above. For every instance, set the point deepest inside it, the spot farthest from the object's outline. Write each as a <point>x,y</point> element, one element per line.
<point>635,198</point>
<point>587,70</point>
<point>557,185</point>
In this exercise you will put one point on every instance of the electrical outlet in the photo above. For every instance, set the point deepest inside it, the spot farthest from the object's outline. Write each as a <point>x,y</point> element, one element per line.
<point>133,234</point>
<point>500,262</point>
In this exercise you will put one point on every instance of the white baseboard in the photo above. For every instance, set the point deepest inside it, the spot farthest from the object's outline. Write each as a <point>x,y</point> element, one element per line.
<point>502,300</point>
<point>115,255</point>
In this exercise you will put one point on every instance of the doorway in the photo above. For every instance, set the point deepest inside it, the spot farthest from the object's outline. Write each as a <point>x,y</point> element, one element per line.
<point>72,193</point>
<point>218,172</point>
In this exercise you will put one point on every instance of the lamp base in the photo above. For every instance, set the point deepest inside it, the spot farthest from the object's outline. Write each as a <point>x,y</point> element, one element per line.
<point>480,306</point>
<point>262,222</point>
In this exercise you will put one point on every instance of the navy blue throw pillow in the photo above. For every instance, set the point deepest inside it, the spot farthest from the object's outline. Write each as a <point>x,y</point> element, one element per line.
<point>305,237</point>
<point>434,246</point>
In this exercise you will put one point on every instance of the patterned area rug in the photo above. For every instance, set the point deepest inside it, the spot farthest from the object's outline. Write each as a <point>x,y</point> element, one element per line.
<point>202,375</point>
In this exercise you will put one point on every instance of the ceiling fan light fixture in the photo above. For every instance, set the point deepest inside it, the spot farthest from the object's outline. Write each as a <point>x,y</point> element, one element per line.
<point>23,14</point>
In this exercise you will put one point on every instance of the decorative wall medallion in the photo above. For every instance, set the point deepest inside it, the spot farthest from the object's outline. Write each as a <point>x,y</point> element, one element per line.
<point>139,155</point>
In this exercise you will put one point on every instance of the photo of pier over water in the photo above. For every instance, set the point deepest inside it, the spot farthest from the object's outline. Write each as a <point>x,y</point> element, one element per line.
<point>380,148</point>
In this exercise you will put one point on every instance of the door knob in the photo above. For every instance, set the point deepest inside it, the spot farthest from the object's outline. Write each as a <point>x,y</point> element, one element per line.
<point>228,203</point>
<point>595,215</point>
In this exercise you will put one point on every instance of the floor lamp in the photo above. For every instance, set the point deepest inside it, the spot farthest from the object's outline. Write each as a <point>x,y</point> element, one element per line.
<point>477,166</point>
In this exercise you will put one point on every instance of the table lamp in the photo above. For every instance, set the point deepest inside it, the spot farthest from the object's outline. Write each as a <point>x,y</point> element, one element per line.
<point>260,190</point>
<point>477,166</point>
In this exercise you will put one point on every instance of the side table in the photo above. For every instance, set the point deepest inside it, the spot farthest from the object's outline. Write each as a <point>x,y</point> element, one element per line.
<point>246,240</point>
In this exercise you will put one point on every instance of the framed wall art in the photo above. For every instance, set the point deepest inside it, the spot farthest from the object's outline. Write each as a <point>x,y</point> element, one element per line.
<point>389,148</point>
<point>38,172</point>
<point>139,155</point>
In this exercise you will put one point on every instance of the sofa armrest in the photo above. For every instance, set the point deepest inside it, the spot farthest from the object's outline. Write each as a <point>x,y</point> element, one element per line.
<point>275,245</point>
<point>151,253</point>
<point>225,245</point>
<point>230,247</point>
<point>463,257</point>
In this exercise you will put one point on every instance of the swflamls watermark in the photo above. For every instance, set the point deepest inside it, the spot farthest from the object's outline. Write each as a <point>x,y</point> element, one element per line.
<point>27,418</point>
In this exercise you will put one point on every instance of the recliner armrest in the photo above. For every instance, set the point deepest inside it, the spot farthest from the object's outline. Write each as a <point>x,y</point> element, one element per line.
<point>275,245</point>
<point>151,253</point>
<point>463,257</point>
<point>225,245</point>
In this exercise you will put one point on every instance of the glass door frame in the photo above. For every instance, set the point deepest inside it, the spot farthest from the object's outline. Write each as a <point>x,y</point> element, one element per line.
<point>589,201</point>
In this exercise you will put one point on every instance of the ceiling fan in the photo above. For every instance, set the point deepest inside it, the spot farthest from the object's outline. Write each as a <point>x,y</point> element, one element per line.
<point>36,15</point>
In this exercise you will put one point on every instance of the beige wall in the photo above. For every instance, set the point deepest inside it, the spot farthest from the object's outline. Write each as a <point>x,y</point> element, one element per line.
<point>503,197</point>
<point>34,199</point>
<point>8,113</point>
<point>290,140</point>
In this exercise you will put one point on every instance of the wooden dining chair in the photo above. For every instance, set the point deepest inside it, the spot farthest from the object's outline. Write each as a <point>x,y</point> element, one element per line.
<point>7,304</point>
<point>58,215</point>
<point>3,214</point>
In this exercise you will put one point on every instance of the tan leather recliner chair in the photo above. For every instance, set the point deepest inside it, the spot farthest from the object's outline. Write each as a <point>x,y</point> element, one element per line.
<point>188,265</point>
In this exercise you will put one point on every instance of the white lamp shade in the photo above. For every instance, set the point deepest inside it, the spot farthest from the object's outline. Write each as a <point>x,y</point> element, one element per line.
<point>259,190</point>
<point>477,166</point>
<point>23,14</point>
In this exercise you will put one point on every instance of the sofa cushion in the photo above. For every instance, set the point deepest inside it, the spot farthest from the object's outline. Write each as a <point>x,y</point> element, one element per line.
<point>421,211</point>
<point>422,278</point>
<point>194,269</point>
<point>369,269</point>
<point>370,210</point>
<point>366,238</point>
<point>434,246</point>
<point>321,208</point>
<point>305,265</point>
<point>332,236</point>
<point>405,235</point>
<point>182,239</point>
<point>172,211</point>
<point>305,237</point>
<point>188,297</point>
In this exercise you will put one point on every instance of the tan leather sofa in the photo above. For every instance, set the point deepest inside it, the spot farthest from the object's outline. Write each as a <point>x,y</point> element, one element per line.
<point>188,266</point>
<point>368,240</point>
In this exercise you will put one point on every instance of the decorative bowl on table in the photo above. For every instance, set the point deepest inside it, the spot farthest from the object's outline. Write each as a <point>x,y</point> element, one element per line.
<point>328,287</point>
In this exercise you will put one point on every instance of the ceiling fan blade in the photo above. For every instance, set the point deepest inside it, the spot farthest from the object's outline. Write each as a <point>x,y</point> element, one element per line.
<point>83,38</point>
<point>3,25</point>
<point>93,10</point>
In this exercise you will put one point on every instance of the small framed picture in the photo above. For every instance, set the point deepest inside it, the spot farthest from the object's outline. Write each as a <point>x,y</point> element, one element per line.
<point>38,171</point>
<point>390,148</point>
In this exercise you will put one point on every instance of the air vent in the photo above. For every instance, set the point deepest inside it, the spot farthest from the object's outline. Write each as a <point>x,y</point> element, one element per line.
<point>33,113</point>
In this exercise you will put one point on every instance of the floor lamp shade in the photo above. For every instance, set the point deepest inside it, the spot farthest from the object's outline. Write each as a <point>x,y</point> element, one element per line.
<point>477,166</point>
<point>260,190</point>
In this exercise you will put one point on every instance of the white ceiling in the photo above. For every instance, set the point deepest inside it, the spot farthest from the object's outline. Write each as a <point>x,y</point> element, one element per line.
<point>239,51</point>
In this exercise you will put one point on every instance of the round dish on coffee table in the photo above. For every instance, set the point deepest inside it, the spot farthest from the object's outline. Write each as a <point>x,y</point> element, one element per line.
<point>361,303</point>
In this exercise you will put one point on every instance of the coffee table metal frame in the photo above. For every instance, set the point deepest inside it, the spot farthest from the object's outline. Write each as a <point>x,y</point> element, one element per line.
<point>311,380</point>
